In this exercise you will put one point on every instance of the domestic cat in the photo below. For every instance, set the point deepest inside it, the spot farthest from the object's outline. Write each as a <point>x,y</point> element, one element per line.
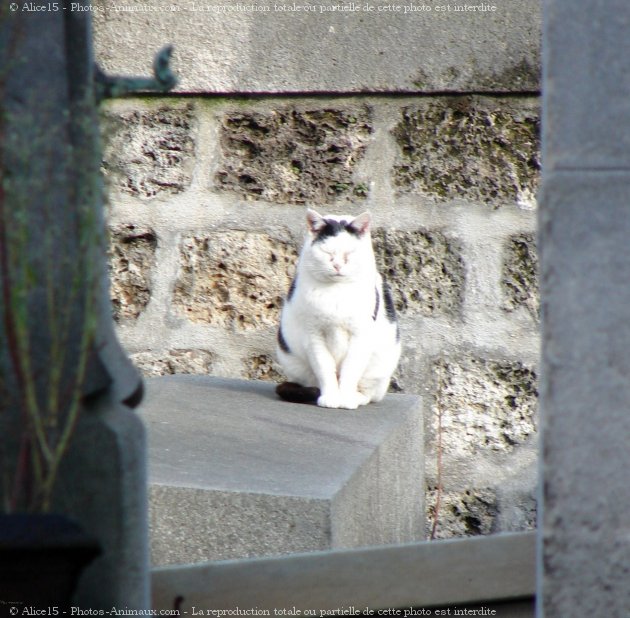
<point>338,340</point>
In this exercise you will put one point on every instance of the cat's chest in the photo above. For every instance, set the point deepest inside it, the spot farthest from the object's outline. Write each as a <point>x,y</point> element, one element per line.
<point>340,306</point>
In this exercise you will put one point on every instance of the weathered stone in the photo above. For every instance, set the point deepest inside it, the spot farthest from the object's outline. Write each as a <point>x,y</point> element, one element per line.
<point>478,576</point>
<point>237,472</point>
<point>174,362</point>
<point>292,156</point>
<point>520,274</point>
<point>263,367</point>
<point>233,278</point>
<point>131,259</point>
<point>149,152</point>
<point>480,149</point>
<point>483,404</point>
<point>269,47</point>
<point>469,513</point>
<point>424,269</point>
<point>518,512</point>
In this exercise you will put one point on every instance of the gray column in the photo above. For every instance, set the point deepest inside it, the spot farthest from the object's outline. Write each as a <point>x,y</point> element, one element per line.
<point>584,558</point>
<point>60,364</point>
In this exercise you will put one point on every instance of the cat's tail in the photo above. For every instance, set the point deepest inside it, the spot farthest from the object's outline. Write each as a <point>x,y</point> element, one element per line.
<point>296,393</point>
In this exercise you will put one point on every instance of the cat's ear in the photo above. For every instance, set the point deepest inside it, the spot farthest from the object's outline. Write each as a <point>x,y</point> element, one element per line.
<point>362,223</point>
<point>314,221</point>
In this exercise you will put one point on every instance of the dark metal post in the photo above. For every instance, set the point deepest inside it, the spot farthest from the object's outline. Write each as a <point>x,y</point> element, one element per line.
<point>70,440</point>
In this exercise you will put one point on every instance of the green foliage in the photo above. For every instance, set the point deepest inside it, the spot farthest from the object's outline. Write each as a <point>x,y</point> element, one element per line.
<point>48,288</point>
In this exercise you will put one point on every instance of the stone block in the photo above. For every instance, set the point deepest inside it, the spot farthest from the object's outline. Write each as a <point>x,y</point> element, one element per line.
<point>186,361</point>
<point>518,511</point>
<point>476,148</point>
<point>293,156</point>
<point>148,152</point>
<point>471,512</point>
<point>236,472</point>
<point>484,404</point>
<point>424,269</point>
<point>233,278</point>
<point>483,576</point>
<point>272,47</point>
<point>481,510</point>
<point>520,275</point>
<point>587,112</point>
<point>263,367</point>
<point>131,260</point>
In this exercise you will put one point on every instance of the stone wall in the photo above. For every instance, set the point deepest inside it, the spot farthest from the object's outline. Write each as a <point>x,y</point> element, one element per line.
<point>207,203</point>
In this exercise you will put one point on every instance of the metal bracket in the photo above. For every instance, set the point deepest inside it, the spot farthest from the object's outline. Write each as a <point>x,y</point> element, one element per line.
<point>163,80</point>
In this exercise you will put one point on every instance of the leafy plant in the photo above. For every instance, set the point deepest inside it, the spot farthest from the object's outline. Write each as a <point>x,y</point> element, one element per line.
<point>48,320</point>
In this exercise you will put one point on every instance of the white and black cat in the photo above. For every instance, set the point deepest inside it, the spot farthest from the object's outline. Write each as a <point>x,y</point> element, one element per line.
<point>338,340</point>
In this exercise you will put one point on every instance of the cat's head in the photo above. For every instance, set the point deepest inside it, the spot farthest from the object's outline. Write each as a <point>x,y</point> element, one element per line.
<point>338,247</point>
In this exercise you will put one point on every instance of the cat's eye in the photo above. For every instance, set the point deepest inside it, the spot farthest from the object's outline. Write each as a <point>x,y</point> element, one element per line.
<point>333,255</point>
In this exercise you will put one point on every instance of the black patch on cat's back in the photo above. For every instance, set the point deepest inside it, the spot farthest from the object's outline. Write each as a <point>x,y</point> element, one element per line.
<point>390,309</point>
<point>292,288</point>
<point>333,228</point>
<point>377,304</point>
<point>282,342</point>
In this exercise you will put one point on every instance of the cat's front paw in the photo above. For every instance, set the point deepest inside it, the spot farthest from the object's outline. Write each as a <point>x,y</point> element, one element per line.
<point>328,400</point>
<point>352,400</point>
<point>349,401</point>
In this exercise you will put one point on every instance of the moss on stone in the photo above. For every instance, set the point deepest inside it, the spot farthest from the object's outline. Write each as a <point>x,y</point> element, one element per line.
<point>149,152</point>
<point>484,404</point>
<point>131,260</point>
<point>233,278</point>
<point>471,512</point>
<point>424,269</point>
<point>520,275</point>
<point>473,148</point>
<point>178,361</point>
<point>293,156</point>
<point>262,367</point>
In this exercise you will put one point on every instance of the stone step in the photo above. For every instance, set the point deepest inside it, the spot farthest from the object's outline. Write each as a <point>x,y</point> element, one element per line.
<point>493,575</point>
<point>235,472</point>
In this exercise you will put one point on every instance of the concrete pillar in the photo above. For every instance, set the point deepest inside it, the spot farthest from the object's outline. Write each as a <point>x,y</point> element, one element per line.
<point>584,557</point>
<point>58,352</point>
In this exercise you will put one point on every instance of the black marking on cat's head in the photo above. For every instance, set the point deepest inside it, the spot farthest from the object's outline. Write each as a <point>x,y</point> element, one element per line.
<point>282,342</point>
<point>390,309</point>
<point>333,228</point>
<point>322,227</point>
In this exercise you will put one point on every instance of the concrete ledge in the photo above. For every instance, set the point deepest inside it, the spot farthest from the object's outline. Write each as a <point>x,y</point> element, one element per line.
<point>303,46</point>
<point>494,570</point>
<point>235,472</point>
